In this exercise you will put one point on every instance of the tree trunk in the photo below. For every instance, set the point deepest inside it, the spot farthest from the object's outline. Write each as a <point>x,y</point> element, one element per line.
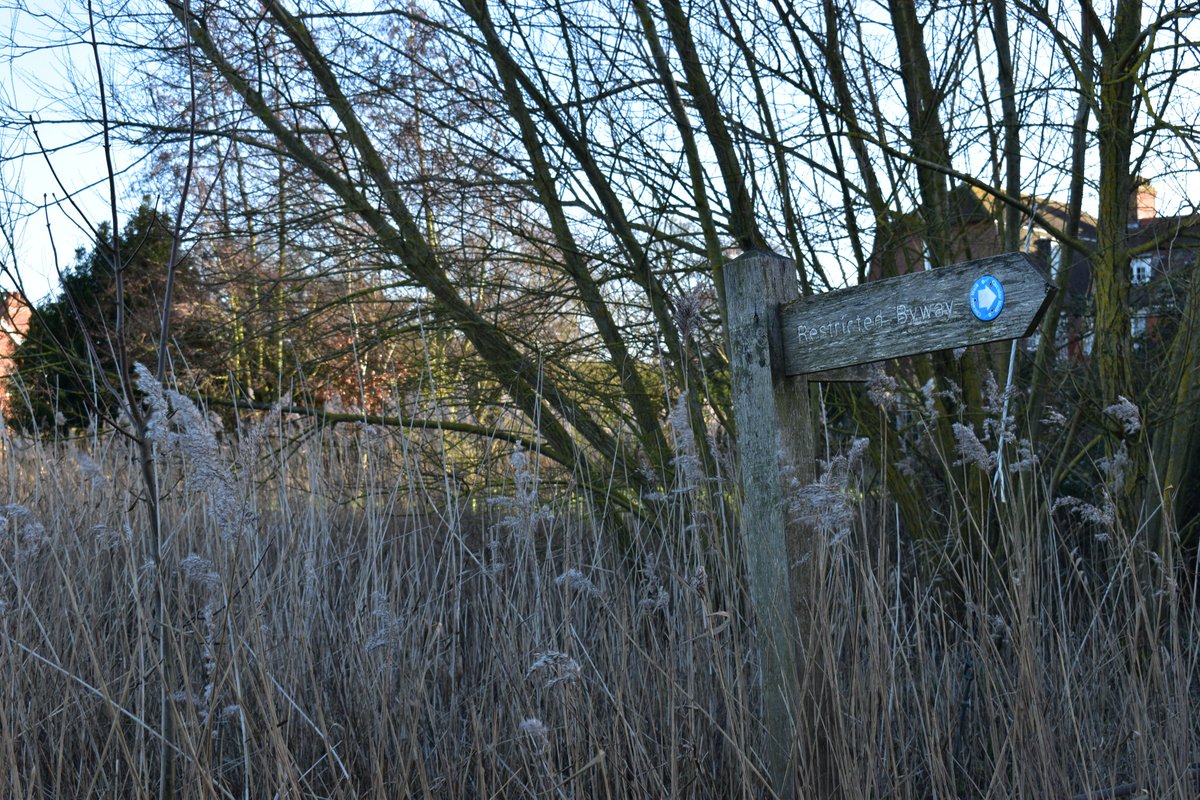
<point>742,222</point>
<point>1047,350</point>
<point>1112,349</point>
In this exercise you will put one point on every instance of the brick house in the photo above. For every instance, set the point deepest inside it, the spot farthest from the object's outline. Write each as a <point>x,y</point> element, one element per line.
<point>900,249</point>
<point>1165,248</point>
<point>15,317</point>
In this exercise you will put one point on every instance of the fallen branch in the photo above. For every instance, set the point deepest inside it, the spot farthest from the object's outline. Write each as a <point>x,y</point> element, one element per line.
<point>418,423</point>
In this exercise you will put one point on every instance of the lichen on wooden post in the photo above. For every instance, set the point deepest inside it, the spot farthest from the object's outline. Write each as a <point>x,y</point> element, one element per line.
<point>774,430</point>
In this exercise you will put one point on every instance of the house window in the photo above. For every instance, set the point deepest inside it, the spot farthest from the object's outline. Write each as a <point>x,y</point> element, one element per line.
<point>1137,325</point>
<point>1141,268</point>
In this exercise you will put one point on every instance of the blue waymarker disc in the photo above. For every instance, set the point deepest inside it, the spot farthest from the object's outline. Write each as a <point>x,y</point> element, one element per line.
<point>987,298</point>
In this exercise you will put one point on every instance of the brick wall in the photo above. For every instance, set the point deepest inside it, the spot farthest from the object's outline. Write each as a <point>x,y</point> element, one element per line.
<point>15,316</point>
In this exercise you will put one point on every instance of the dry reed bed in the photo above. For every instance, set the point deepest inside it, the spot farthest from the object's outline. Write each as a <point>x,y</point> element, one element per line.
<point>339,626</point>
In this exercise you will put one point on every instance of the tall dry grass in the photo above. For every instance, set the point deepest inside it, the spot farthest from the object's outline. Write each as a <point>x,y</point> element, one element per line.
<point>341,625</point>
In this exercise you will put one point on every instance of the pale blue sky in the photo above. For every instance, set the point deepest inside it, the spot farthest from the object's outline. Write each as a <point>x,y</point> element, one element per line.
<point>49,61</point>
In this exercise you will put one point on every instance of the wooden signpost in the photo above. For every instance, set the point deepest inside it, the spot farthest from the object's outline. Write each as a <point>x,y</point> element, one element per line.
<point>939,309</point>
<point>777,340</point>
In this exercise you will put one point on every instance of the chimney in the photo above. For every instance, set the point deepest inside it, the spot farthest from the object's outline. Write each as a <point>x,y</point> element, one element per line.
<point>1142,202</point>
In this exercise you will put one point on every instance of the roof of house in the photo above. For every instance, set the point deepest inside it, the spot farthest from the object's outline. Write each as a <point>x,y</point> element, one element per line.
<point>1166,231</point>
<point>1053,214</point>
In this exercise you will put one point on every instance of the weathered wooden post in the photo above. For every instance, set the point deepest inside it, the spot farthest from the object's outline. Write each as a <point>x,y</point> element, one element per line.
<point>771,413</point>
<point>776,339</point>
